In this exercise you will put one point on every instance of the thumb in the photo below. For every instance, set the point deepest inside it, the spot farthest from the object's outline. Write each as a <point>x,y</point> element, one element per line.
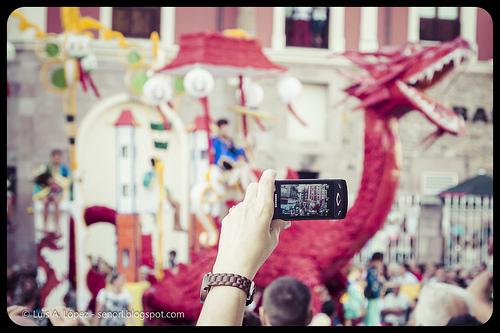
<point>277,226</point>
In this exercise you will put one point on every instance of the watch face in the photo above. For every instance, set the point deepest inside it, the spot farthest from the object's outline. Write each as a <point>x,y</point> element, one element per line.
<point>204,288</point>
<point>251,292</point>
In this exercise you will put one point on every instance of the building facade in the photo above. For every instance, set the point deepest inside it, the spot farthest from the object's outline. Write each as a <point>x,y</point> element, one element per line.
<point>303,40</point>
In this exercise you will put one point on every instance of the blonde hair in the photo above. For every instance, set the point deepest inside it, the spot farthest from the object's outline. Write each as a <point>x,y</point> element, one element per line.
<point>439,302</point>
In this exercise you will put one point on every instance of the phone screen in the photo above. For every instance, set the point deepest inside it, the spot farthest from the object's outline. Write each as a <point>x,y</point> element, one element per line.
<point>316,199</point>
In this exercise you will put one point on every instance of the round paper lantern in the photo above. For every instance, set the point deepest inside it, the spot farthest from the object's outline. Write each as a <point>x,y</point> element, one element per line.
<point>11,52</point>
<point>157,90</point>
<point>89,63</point>
<point>254,94</point>
<point>289,88</point>
<point>199,82</point>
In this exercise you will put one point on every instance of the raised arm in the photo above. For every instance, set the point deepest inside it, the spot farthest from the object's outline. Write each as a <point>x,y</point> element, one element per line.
<point>248,237</point>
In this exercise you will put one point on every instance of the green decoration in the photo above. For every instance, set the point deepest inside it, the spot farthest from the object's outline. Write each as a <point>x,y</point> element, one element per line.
<point>179,85</point>
<point>161,145</point>
<point>52,50</point>
<point>157,127</point>
<point>133,57</point>
<point>58,78</point>
<point>137,82</point>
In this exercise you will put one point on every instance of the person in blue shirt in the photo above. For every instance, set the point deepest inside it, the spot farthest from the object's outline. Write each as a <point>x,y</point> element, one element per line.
<point>226,154</point>
<point>374,284</point>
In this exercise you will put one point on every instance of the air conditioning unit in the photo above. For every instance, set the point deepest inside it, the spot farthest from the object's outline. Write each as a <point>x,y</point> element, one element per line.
<point>434,182</point>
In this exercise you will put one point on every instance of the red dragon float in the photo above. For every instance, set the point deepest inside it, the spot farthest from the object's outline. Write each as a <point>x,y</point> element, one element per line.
<point>394,83</point>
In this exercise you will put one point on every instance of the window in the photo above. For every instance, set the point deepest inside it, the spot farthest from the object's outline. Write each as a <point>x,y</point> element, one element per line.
<point>434,182</point>
<point>307,26</point>
<point>125,190</point>
<point>124,151</point>
<point>439,23</point>
<point>125,258</point>
<point>136,22</point>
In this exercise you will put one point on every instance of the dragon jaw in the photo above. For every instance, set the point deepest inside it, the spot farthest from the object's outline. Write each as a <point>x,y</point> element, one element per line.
<point>399,82</point>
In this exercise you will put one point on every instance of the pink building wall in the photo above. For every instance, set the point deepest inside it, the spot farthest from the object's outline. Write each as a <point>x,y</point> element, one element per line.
<point>194,19</point>
<point>484,35</point>
<point>230,18</point>
<point>397,32</point>
<point>54,24</point>
<point>352,27</point>
<point>264,25</point>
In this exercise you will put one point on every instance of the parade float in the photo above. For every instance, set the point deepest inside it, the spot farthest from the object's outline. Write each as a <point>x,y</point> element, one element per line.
<point>394,82</point>
<point>133,222</point>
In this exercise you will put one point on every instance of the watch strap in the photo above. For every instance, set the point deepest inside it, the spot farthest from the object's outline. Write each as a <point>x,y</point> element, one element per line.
<point>230,280</point>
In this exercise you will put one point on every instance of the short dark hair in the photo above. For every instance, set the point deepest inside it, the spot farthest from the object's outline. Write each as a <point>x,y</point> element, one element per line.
<point>286,301</point>
<point>464,320</point>
<point>113,275</point>
<point>328,308</point>
<point>377,256</point>
<point>222,122</point>
<point>250,319</point>
<point>173,252</point>
<point>55,152</point>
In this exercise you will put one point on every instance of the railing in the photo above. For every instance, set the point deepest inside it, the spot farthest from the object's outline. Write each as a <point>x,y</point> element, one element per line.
<point>466,228</point>
<point>397,240</point>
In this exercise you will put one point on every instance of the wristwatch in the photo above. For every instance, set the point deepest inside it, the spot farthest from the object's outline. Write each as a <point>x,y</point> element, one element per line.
<point>227,279</point>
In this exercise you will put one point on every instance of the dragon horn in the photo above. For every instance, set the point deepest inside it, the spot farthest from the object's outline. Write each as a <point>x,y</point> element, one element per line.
<point>431,138</point>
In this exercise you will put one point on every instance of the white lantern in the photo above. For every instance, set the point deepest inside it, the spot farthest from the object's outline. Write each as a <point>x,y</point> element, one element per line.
<point>89,63</point>
<point>11,51</point>
<point>158,90</point>
<point>289,88</point>
<point>198,82</point>
<point>254,94</point>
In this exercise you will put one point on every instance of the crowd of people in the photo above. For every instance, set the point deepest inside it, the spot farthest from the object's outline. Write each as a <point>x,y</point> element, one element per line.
<point>379,293</point>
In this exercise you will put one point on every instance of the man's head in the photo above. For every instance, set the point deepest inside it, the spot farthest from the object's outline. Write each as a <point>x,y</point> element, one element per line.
<point>172,254</point>
<point>439,302</point>
<point>56,156</point>
<point>223,125</point>
<point>286,301</point>
<point>377,260</point>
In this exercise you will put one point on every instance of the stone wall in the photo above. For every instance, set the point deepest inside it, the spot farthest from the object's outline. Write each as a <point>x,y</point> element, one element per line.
<point>36,126</point>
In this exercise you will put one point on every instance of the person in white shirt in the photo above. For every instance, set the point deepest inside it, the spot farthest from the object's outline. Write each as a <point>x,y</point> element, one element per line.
<point>113,302</point>
<point>395,306</point>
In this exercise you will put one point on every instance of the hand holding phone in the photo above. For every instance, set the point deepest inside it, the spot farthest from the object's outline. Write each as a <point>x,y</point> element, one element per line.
<point>310,199</point>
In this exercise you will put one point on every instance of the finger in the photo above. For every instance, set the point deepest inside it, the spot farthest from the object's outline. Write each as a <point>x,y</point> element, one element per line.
<point>251,193</point>
<point>277,226</point>
<point>265,194</point>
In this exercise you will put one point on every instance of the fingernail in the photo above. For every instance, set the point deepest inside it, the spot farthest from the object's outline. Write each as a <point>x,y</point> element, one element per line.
<point>288,225</point>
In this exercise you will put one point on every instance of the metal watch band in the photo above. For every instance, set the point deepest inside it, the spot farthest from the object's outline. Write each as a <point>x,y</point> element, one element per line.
<point>229,280</point>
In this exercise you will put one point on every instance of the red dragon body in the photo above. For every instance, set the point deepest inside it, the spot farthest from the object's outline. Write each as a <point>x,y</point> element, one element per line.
<point>317,252</point>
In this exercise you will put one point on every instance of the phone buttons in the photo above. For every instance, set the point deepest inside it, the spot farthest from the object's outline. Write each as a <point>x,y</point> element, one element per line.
<point>337,199</point>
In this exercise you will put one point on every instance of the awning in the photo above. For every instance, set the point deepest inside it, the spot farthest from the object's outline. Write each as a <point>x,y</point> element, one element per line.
<point>480,185</point>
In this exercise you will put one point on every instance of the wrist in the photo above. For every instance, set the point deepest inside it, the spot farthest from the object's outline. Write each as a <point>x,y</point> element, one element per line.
<point>222,267</point>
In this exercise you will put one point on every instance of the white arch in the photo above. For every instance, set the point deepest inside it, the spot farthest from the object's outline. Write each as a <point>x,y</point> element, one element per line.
<point>83,294</point>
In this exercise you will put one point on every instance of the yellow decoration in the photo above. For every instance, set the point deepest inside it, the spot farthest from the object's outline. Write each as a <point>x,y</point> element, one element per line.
<point>136,290</point>
<point>155,41</point>
<point>24,24</point>
<point>236,33</point>
<point>159,168</point>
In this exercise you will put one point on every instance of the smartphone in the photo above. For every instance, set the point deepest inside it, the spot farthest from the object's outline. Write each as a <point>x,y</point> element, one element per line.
<point>310,199</point>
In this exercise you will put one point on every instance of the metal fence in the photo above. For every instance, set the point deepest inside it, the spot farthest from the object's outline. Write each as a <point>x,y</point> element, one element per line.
<point>466,229</point>
<point>467,226</point>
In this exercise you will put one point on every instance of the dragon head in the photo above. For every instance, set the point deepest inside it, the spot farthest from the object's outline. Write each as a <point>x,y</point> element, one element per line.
<point>399,78</point>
